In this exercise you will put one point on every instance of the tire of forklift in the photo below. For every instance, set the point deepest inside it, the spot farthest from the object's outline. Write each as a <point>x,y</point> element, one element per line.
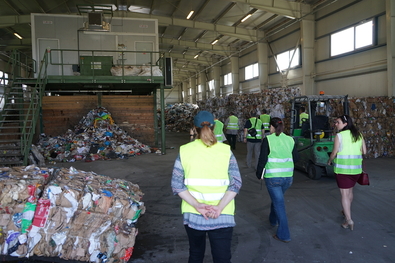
<point>314,172</point>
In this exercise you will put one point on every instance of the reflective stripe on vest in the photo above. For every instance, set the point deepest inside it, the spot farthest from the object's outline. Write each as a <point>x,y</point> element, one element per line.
<point>207,197</point>
<point>233,123</point>
<point>280,161</point>
<point>206,174</point>
<point>213,182</point>
<point>257,124</point>
<point>349,159</point>
<point>218,130</point>
<point>265,119</point>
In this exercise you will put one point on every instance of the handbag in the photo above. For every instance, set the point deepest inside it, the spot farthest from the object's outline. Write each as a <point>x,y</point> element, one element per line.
<point>252,132</point>
<point>363,178</point>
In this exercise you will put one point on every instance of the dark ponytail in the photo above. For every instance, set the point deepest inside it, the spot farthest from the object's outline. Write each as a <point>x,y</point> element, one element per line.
<point>278,125</point>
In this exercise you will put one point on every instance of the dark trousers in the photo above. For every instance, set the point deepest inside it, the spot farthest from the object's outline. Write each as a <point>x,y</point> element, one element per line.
<point>220,242</point>
<point>232,138</point>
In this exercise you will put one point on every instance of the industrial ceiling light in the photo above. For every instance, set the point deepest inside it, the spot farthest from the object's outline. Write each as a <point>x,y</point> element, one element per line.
<point>214,42</point>
<point>190,14</point>
<point>17,35</point>
<point>246,17</point>
<point>196,56</point>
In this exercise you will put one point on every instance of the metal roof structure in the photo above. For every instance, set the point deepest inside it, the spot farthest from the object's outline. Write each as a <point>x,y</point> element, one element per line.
<point>216,29</point>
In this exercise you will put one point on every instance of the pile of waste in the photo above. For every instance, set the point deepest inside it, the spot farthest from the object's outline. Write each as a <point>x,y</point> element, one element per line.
<point>67,213</point>
<point>95,137</point>
<point>179,117</point>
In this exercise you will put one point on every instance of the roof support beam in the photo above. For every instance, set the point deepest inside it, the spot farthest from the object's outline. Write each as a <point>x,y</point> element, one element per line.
<point>9,21</point>
<point>241,33</point>
<point>222,50</point>
<point>279,7</point>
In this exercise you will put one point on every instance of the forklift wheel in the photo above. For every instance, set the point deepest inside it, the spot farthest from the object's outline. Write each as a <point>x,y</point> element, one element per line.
<point>314,172</point>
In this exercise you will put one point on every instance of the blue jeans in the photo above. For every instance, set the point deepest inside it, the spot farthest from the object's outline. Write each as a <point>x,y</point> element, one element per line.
<point>220,242</point>
<point>276,187</point>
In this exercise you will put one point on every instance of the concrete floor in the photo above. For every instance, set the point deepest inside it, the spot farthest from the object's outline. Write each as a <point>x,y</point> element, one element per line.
<point>313,209</point>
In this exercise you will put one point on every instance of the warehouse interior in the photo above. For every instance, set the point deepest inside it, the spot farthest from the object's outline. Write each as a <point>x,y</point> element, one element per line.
<point>152,64</point>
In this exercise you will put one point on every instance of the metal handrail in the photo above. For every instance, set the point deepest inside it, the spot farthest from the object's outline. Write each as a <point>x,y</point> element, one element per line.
<point>33,111</point>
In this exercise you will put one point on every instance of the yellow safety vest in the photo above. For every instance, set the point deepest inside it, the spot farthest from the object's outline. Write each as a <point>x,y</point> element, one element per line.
<point>218,130</point>
<point>257,124</point>
<point>265,119</point>
<point>206,174</point>
<point>280,162</point>
<point>303,115</point>
<point>349,159</point>
<point>233,123</point>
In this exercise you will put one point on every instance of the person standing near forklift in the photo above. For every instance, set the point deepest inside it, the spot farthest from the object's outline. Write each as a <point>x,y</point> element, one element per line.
<point>346,155</point>
<point>303,116</point>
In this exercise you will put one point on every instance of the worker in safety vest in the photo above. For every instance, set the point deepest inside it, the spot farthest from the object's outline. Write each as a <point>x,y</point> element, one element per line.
<point>303,116</point>
<point>207,178</point>
<point>219,130</point>
<point>276,166</point>
<point>265,119</point>
<point>232,128</point>
<point>348,148</point>
<point>253,140</point>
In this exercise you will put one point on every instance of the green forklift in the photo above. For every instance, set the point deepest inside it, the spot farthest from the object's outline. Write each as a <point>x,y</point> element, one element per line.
<point>314,136</point>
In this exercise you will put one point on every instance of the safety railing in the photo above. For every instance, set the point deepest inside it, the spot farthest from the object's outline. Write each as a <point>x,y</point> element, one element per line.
<point>98,63</point>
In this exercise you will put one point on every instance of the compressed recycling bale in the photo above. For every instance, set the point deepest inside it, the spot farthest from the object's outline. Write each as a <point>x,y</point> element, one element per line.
<point>77,216</point>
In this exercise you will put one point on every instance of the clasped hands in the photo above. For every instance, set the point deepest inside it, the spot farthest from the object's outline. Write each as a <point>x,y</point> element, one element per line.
<point>208,211</point>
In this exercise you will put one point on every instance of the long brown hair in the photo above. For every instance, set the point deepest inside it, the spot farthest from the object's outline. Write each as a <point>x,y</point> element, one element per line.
<point>206,134</point>
<point>356,135</point>
<point>278,125</point>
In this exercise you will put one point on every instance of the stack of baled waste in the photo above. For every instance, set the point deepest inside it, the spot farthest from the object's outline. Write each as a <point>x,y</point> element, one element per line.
<point>275,101</point>
<point>95,137</point>
<point>79,216</point>
<point>179,117</point>
<point>373,116</point>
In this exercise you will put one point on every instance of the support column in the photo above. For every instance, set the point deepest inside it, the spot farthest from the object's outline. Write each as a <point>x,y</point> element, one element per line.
<point>203,82</point>
<point>234,61</point>
<point>307,37</point>
<point>217,79</point>
<point>193,89</point>
<point>185,89</point>
<point>263,61</point>
<point>390,25</point>
<point>178,86</point>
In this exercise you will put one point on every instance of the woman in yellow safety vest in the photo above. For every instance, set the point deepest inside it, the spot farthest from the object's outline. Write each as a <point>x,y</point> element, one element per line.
<point>276,166</point>
<point>348,148</point>
<point>207,178</point>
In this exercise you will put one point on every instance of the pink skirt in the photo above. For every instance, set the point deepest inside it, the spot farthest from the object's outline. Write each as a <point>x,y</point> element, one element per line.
<point>346,181</point>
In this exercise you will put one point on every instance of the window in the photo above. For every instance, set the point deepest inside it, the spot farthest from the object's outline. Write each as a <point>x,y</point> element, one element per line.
<point>199,88</point>
<point>352,38</point>
<point>251,71</point>
<point>284,58</point>
<point>228,79</point>
<point>211,84</point>
<point>3,78</point>
<point>190,92</point>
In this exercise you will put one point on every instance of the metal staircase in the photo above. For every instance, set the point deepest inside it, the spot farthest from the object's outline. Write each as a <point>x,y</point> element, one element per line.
<point>21,111</point>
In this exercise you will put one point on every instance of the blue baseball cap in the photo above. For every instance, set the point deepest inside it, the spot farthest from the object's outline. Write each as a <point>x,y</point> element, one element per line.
<point>203,116</point>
